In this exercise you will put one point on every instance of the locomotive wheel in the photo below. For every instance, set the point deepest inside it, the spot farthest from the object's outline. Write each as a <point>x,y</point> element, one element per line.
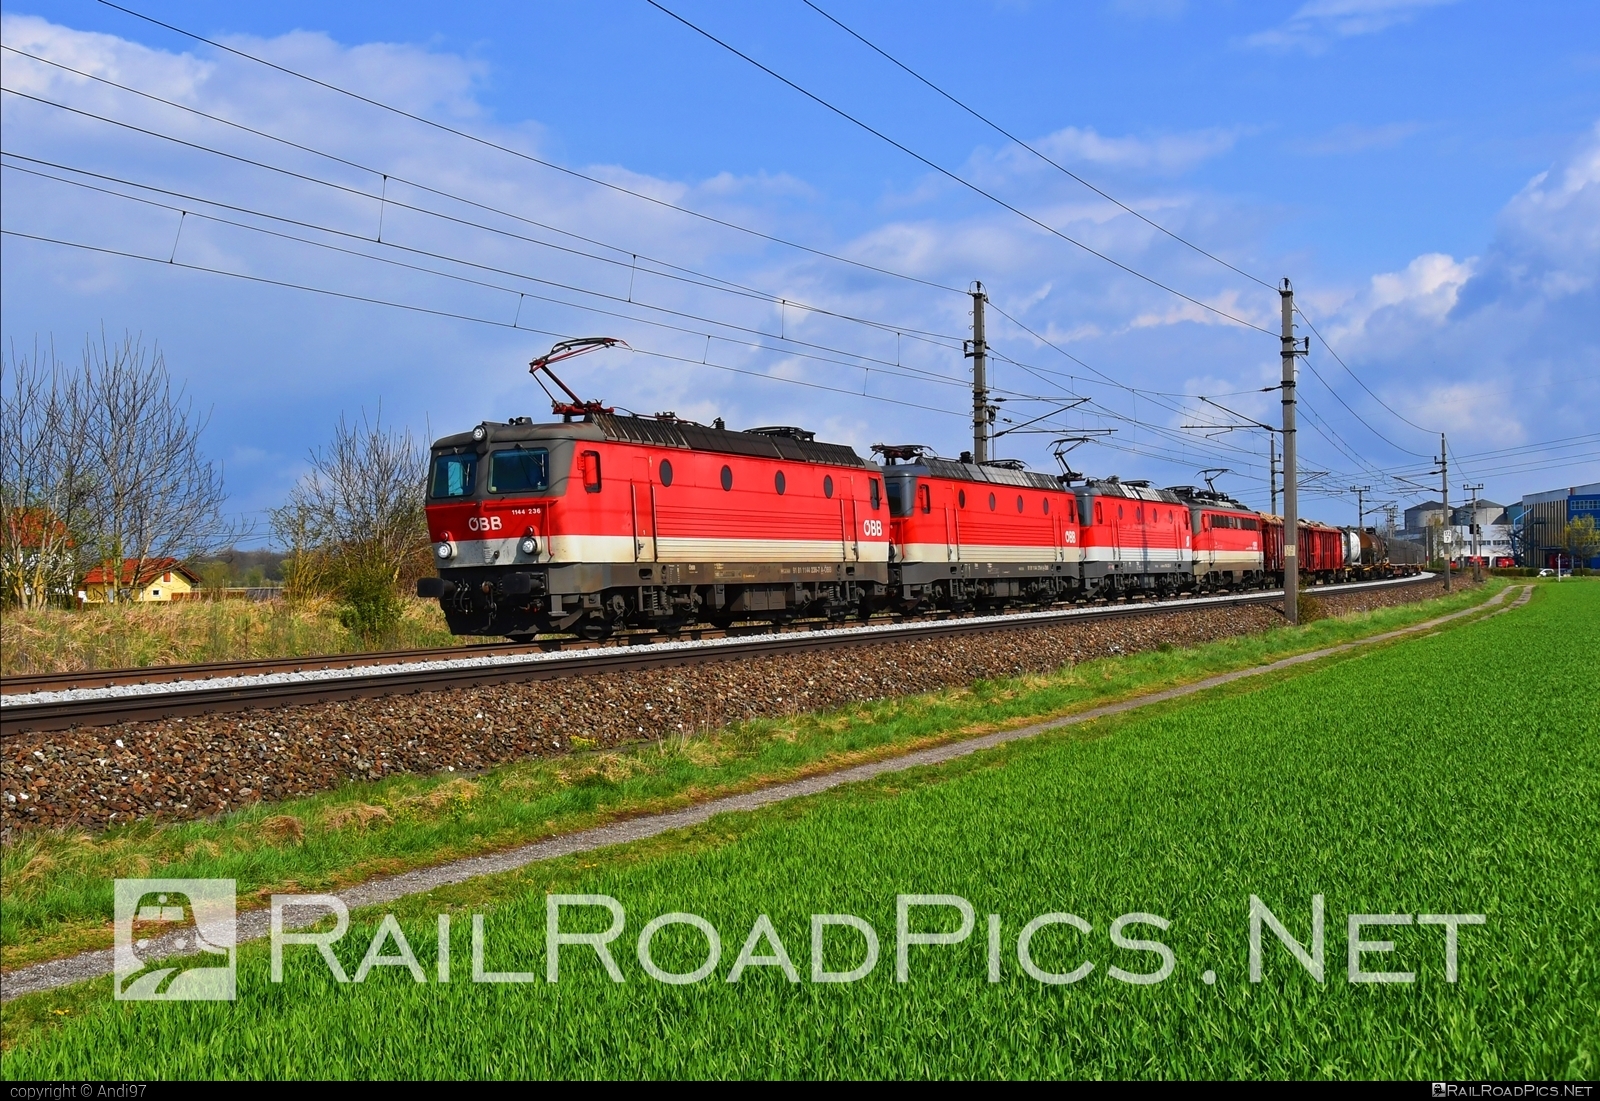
<point>597,628</point>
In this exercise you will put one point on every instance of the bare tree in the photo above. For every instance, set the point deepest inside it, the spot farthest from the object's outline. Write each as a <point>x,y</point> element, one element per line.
<point>155,494</point>
<point>100,464</point>
<point>45,488</point>
<point>355,523</point>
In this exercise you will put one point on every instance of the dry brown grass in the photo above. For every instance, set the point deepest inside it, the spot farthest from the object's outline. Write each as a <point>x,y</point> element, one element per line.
<point>121,636</point>
<point>458,792</point>
<point>283,829</point>
<point>357,814</point>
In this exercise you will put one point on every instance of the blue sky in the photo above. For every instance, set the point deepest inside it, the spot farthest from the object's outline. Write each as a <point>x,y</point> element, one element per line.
<point>1427,173</point>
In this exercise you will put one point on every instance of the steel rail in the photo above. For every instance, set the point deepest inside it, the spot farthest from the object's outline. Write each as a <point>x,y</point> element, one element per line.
<point>110,708</point>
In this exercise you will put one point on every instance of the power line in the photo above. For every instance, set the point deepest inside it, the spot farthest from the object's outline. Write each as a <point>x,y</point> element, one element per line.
<point>898,369</point>
<point>1047,160</point>
<point>530,158</point>
<point>452,315</point>
<point>1363,421</point>
<point>716,282</point>
<point>1357,377</point>
<point>963,181</point>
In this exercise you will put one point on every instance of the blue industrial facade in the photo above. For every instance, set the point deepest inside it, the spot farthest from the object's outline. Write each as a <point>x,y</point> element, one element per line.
<point>1541,530</point>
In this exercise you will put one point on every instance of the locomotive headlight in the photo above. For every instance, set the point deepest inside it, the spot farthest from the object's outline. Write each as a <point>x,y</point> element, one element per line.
<point>480,432</point>
<point>529,545</point>
<point>445,551</point>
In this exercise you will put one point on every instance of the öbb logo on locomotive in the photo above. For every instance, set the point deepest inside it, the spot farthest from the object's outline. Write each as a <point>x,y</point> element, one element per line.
<point>625,520</point>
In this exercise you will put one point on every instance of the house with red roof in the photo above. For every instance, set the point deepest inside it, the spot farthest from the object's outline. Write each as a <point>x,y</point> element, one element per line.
<point>159,579</point>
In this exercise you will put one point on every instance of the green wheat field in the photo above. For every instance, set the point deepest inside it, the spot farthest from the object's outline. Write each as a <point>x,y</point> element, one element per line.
<point>1454,773</point>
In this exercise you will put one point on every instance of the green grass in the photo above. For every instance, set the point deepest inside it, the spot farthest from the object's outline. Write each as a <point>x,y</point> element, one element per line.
<point>55,886</point>
<point>1456,773</point>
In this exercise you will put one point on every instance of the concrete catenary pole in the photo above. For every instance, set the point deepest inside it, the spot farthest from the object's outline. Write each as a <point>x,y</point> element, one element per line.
<point>1291,498</point>
<point>1272,469</point>
<point>1361,512</point>
<point>1472,526</point>
<point>980,379</point>
<point>1444,490</point>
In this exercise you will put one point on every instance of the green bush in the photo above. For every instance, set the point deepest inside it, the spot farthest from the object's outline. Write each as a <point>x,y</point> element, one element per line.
<point>370,607</point>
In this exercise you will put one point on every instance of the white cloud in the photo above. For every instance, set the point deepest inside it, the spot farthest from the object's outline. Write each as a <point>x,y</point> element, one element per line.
<point>1162,153</point>
<point>1316,23</point>
<point>1352,138</point>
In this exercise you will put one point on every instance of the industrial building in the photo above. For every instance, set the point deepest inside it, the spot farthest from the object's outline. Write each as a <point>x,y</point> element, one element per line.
<point>1541,531</point>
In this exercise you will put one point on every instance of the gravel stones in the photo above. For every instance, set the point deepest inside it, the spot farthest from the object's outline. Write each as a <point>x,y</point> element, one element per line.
<point>205,765</point>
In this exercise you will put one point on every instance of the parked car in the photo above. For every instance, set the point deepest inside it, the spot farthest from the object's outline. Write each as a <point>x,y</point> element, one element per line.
<point>1547,573</point>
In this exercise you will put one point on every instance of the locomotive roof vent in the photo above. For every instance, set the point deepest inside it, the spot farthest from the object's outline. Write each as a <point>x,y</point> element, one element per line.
<point>786,430</point>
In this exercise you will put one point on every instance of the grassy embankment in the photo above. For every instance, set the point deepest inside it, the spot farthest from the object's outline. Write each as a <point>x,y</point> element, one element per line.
<point>131,635</point>
<point>1457,773</point>
<point>55,885</point>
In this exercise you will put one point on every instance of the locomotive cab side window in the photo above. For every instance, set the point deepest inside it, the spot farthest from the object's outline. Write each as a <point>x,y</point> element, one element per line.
<point>875,493</point>
<point>455,475</point>
<point>590,462</point>
<point>520,470</point>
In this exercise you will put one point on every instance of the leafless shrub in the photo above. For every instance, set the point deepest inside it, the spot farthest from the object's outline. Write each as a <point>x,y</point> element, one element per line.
<point>101,464</point>
<point>355,523</point>
<point>45,518</point>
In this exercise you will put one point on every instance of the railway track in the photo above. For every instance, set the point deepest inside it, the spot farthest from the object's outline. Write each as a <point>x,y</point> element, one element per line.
<point>62,701</point>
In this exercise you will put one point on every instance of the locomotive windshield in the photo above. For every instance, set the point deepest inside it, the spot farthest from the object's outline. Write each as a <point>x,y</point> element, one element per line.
<point>519,471</point>
<point>455,475</point>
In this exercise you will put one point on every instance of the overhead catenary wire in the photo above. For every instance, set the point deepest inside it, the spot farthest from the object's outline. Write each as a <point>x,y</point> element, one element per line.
<point>701,279</point>
<point>954,176</point>
<point>872,363</point>
<point>456,316</point>
<point>606,183</point>
<point>1008,135</point>
<point>899,329</point>
<point>487,143</point>
<point>1352,374</point>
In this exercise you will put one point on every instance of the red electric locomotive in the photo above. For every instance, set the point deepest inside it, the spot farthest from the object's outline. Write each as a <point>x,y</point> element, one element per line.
<point>1134,538</point>
<point>604,521</point>
<point>1227,540</point>
<point>967,534</point>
